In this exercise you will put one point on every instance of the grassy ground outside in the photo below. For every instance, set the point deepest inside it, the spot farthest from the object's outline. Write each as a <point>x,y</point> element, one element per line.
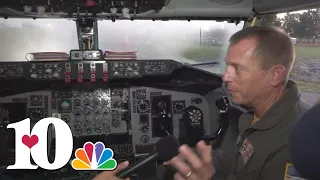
<point>307,51</point>
<point>199,52</point>
<point>204,52</point>
<point>308,86</point>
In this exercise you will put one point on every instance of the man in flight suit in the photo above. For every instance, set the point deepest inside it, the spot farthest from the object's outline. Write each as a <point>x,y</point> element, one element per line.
<point>259,61</point>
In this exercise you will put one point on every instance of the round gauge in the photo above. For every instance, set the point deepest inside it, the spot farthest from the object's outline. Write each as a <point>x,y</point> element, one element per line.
<point>96,102</point>
<point>77,102</point>
<point>97,121</point>
<point>106,128</point>
<point>77,111</point>
<point>87,102</point>
<point>143,106</point>
<point>144,129</point>
<point>105,111</point>
<point>105,102</point>
<point>85,94</point>
<point>195,115</point>
<point>88,130</point>
<point>141,94</point>
<point>76,93</point>
<point>144,139</point>
<point>105,93</point>
<point>87,111</point>
<point>36,100</point>
<point>179,106</point>
<point>66,118</point>
<point>78,129</point>
<point>36,114</point>
<point>96,93</point>
<point>116,103</point>
<point>98,130</point>
<point>96,111</point>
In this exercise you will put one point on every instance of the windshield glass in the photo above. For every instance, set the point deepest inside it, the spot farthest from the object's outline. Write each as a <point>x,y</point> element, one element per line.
<point>194,42</point>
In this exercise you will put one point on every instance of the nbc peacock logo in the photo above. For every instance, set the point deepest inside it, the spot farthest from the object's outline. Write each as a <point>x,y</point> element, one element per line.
<point>94,157</point>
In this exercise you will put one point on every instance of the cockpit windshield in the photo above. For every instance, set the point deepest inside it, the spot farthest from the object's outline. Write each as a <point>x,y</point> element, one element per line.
<point>194,42</point>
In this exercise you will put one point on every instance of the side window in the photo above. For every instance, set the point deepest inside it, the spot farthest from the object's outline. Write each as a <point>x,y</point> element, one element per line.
<point>304,29</point>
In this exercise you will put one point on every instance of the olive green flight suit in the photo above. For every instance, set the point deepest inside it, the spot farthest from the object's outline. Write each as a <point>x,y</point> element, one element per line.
<point>268,139</point>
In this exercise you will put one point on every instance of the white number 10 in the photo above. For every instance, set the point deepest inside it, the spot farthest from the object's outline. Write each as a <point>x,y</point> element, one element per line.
<point>35,143</point>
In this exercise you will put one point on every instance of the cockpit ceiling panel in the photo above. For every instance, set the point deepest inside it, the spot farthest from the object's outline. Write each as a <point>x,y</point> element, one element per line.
<point>127,9</point>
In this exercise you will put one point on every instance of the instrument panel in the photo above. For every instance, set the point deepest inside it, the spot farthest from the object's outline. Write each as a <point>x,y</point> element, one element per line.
<point>80,71</point>
<point>129,105</point>
<point>142,114</point>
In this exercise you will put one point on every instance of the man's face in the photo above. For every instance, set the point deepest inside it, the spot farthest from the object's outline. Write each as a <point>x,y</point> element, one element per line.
<point>244,77</point>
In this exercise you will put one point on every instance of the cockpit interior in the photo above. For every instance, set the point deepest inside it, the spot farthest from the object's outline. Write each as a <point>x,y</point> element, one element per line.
<point>82,61</point>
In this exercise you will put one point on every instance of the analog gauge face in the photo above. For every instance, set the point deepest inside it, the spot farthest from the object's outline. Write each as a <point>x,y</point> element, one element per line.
<point>106,111</point>
<point>66,118</point>
<point>87,111</point>
<point>36,114</point>
<point>105,102</point>
<point>85,94</point>
<point>141,94</point>
<point>96,93</point>
<point>77,112</point>
<point>96,102</point>
<point>36,100</point>
<point>105,93</point>
<point>106,128</point>
<point>76,93</point>
<point>195,115</point>
<point>96,111</point>
<point>77,102</point>
<point>143,106</point>
<point>87,102</point>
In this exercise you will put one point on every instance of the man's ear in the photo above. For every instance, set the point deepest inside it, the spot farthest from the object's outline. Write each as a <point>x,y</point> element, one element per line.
<point>277,75</point>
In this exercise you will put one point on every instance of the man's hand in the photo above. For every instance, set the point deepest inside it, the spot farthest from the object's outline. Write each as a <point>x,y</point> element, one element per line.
<point>111,175</point>
<point>192,167</point>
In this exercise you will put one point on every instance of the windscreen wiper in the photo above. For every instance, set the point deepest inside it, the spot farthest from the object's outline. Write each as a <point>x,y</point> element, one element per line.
<point>206,63</point>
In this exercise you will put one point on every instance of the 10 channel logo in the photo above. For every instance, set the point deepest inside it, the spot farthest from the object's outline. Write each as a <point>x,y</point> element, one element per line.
<point>90,157</point>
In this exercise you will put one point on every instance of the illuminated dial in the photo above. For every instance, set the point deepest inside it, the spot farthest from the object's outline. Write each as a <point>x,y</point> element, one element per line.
<point>105,102</point>
<point>105,93</point>
<point>143,106</point>
<point>195,115</point>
